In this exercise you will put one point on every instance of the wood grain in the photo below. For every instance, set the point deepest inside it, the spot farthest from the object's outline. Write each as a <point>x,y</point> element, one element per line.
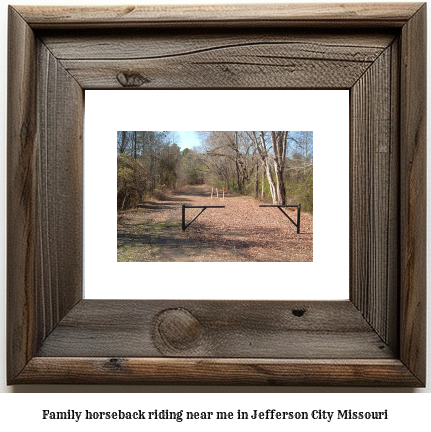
<point>241,329</point>
<point>44,193</point>
<point>413,194</point>
<point>21,194</point>
<point>253,15</point>
<point>146,45</point>
<point>374,194</point>
<point>192,59</point>
<point>217,371</point>
<point>376,338</point>
<point>59,179</point>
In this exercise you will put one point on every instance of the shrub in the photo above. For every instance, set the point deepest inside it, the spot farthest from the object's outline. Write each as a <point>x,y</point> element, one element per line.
<point>301,193</point>
<point>159,195</point>
<point>132,182</point>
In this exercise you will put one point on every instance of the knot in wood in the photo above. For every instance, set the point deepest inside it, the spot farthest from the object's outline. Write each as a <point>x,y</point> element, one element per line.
<point>131,79</point>
<point>178,328</point>
<point>298,312</point>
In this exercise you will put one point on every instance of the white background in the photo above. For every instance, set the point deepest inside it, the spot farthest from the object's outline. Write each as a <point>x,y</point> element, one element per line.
<point>326,113</point>
<point>24,410</point>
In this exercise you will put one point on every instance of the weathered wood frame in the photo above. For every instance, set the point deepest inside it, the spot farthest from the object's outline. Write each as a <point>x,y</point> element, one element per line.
<point>376,338</point>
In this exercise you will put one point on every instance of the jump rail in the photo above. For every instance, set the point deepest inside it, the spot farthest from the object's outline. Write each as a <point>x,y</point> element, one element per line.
<point>298,216</point>
<point>184,226</point>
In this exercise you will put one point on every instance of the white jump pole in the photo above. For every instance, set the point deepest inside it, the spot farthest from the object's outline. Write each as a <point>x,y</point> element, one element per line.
<point>223,194</point>
<point>217,192</point>
<point>212,192</point>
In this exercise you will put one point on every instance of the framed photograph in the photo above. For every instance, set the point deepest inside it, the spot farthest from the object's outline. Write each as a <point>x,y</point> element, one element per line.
<point>233,250</point>
<point>376,337</point>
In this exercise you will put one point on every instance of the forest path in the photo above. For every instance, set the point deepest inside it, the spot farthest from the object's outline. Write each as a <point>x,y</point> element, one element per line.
<point>242,231</point>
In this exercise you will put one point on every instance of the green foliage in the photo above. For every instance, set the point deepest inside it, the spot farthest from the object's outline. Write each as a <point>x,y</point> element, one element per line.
<point>299,189</point>
<point>192,170</point>
<point>132,182</point>
<point>168,163</point>
<point>301,192</point>
<point>150,163</point>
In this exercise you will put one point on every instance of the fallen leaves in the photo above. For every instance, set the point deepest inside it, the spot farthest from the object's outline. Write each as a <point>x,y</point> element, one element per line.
<point>242,231</point>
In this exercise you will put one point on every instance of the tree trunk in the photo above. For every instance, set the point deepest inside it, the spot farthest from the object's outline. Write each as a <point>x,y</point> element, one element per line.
<point>237,167</point>
<point>281,191</point>
<point>122,148</point>
<point>135,145</point>
<point>238,177</point>
<point>256,182</point>
<point>271,182</point>
<point>279,139</point>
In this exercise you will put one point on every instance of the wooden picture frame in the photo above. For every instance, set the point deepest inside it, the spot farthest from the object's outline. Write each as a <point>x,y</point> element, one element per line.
<point>376,338</point>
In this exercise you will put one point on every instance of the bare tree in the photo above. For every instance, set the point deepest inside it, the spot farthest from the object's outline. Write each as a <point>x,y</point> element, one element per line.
<point>250,162</point>
<point>234,146</point>
<point>121,142</point>
<point>263,150</point>
<point>279,145</point>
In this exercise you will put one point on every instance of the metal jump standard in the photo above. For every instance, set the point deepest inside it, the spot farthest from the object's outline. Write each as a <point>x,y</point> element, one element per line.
<point>298,216</point>
<point>184,226</point>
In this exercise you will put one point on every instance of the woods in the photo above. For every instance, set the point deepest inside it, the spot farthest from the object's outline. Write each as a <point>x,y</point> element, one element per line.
<point>147,163</point>
<point>160,171</point>
<point>272,166</point>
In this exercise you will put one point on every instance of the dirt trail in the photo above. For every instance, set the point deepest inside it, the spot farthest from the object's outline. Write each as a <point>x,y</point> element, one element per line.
<point>242,231</point>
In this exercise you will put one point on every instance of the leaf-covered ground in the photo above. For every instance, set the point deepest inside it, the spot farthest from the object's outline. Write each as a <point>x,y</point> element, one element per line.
<point>242,231</point>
